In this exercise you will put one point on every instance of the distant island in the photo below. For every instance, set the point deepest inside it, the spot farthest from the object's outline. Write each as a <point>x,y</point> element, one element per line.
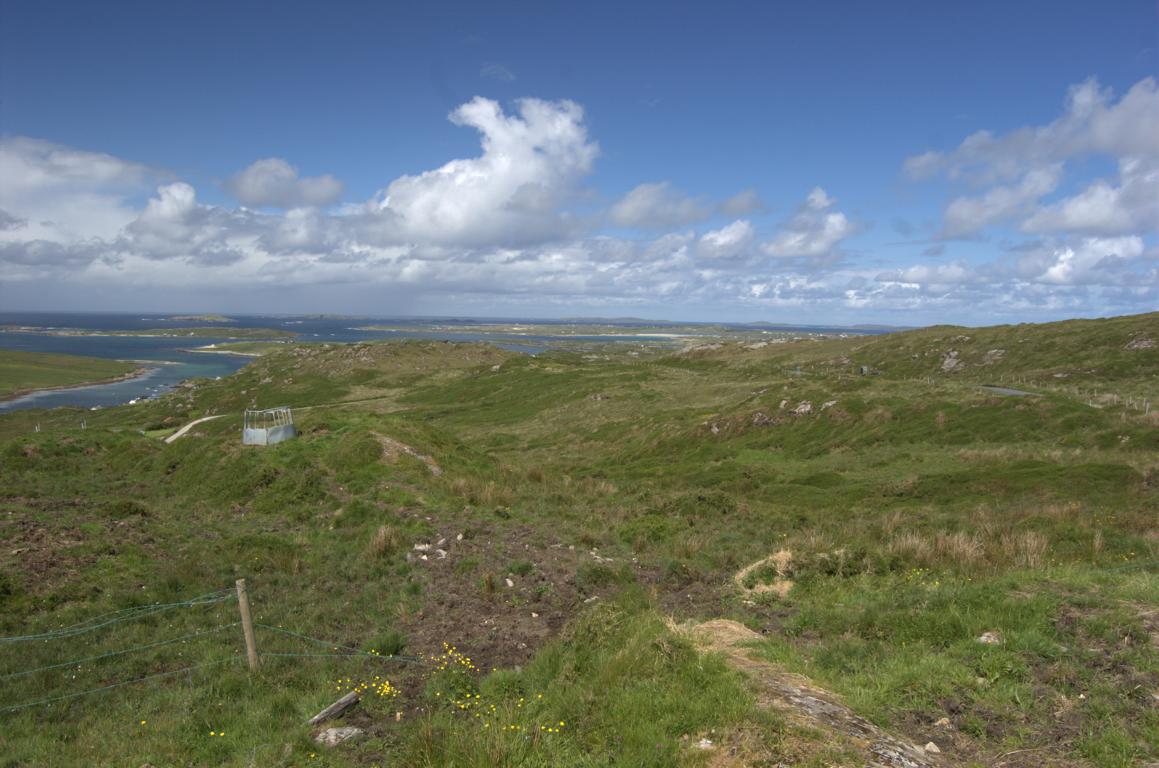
<point>200,319</point>
<point>193,332</point>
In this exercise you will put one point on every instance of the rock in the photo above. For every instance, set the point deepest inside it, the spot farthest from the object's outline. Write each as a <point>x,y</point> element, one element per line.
<point>705,744</point>
<point>993,356</point>
<point>760,418</point>
<point>950,361</point>
<point>440,542</point>
<point>990,638</point>
<point>423,547</point>
<point>931,747</point>
<point>803,408</point>
<point>332,737</point>
<point>943,723</point>
<point>828,404</point>
<point>1141,342</point>
<point>459,537</point>
<point>510,583</point>
<point>442,553</point>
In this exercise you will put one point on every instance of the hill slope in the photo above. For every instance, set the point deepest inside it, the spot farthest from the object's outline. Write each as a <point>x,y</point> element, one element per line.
<point>554,517</point>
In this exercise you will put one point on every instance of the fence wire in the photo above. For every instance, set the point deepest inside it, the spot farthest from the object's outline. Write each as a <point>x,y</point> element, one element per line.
<point>66,696</point>
<point>98,657</point>
<point>126,614</point>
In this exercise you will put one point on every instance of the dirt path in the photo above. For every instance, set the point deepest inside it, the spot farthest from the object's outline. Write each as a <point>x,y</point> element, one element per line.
<point>809,705</point>
<point>181,432</point>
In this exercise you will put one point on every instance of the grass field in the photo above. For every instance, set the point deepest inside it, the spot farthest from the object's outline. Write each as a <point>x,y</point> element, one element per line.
<point>22,372</point>
<point>574,514</point>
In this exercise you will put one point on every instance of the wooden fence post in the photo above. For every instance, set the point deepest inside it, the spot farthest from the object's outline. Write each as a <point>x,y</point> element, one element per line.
<point>247,625</point>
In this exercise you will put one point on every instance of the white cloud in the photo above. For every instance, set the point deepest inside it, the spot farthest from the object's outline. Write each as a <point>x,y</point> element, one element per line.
<point>274,183</point>
<point>934,274</point>
<point>495,71</point>
<point>1086,261</point>
<point>494,231</point>
<point>64,193</point>
<point>531,165</point>
<point>1092,124</point>
<point>967,215</point>
<point>814,233</point>
<point>657,205</point>
<point>1104,208</point>
<point>175,226</point>
<point>727,241</point>
<point>742,203</point>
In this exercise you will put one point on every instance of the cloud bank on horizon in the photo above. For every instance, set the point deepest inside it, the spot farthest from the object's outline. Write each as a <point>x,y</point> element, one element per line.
<point>518,226</point>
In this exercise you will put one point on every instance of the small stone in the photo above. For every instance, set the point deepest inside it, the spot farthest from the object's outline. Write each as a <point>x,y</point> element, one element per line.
<point>705,744</point>
<point>534,615</point>
<point>332,737</point>
<point>931,747</point>
<point>459,537</point>
<point>943,723</point>
<point>990,638</point>
<point>442,553</point>
<point>510,583</point>
<point>592,599</point>
<point>423,547</point>
<point>440,542</point>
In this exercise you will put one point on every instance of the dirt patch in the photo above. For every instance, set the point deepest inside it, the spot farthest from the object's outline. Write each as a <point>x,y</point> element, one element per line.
<point>807,704</point>
<point>43,555</point>
<point>392,449</point>
<point>498,594</point>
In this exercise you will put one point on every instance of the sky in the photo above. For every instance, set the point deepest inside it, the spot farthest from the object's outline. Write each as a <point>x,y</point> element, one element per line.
<point>900,163</point>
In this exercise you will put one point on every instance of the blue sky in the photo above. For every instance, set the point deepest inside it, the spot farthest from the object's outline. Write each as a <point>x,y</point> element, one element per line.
<point>738,161</point>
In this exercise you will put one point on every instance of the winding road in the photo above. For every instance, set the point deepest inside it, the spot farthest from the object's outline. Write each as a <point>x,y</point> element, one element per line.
<point>181,432</point>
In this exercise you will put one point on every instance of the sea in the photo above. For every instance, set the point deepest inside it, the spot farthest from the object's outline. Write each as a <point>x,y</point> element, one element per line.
<point>169,360</point>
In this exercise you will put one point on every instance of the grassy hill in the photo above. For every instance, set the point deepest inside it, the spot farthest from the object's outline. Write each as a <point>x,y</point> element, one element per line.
<point>22,372</point>
<point>532,537</point>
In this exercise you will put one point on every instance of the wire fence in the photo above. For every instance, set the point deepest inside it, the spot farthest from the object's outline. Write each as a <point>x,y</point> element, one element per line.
<point>120,619</point>
<point>327,649</point>
<point>126,614</point>
<point>21,648</point>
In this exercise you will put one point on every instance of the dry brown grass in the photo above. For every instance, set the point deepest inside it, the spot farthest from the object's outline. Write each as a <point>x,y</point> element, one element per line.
<point>385,541</point>
<point>482,492</point>
<point>690,544</point>
<point>1028,549</point>
<point>987,546</point>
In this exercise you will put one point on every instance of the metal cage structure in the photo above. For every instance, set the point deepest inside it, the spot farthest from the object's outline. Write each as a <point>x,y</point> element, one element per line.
<point>268,427</point>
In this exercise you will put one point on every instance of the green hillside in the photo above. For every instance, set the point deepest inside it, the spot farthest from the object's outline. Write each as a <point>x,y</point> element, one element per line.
<point>22,372</point>
<point>531,541</point>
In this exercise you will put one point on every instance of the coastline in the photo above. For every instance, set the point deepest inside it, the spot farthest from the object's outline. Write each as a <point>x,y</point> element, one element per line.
<point>209,350</point>
<point>136,373</point>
